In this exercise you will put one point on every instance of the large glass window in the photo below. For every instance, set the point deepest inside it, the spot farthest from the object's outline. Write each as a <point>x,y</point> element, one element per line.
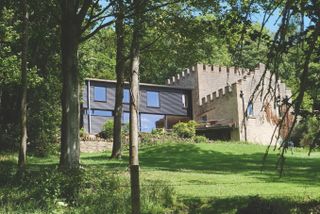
<point>100,94</point>
<point>126,96</point>
<point>125,117</point>
<point>153,99</point>
<point>151,121</point>
<point>102,113</point>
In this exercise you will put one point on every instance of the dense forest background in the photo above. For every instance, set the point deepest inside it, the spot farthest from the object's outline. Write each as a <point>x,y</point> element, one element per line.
<point>175,36</point>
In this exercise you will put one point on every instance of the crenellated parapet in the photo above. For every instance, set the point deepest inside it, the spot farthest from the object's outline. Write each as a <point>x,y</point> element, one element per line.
<point>220,93</point>
<point>223,69</point>
<point>178,79</point>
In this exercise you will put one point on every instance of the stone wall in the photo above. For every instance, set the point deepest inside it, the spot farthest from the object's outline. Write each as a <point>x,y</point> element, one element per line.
<point>216,95</point>
<point>95,146</point>
<point>220,107</point>
<point>261,125</point>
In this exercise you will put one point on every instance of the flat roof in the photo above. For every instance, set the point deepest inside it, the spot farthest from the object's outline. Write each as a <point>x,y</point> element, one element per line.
<point>141,84</point>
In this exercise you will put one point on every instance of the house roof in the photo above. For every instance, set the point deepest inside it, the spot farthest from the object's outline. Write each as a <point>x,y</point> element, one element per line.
<point>141,84</point>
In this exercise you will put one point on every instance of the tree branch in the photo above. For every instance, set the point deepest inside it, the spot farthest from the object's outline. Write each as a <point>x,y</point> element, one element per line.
<point>96,30</point>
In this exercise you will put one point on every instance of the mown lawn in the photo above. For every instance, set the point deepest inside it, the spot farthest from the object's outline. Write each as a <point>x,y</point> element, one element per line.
<point>218,177</point>
<point>225,171</point>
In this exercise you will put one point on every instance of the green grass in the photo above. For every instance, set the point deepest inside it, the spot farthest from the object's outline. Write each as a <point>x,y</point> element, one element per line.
<point>218,177</point>
<point>223,170</point>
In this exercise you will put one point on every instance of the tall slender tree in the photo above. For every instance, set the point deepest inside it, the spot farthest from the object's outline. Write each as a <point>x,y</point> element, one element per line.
<point>120,69</point>
<point>23,108</point>
<point>138,6</point>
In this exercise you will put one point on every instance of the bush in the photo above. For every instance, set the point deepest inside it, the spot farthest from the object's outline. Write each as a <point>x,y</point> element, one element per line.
<point>185,130</point>
<point>107,130</point>
<point>260,205</point>
<point>200,139</point>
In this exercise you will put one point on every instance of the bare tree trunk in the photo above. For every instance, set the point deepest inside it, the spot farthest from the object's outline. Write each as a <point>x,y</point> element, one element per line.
<point>70,142</point>
<point>23,108</point>
<point>120,66</point>
<point>134,106</point>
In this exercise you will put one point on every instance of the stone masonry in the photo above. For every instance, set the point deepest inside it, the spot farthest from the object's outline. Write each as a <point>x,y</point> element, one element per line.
<point>221,95</point>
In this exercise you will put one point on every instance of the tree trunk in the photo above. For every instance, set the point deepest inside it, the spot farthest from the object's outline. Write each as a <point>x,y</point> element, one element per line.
<point>120,66</point>
<point>23,108</point>
<point>134,106</point>
<point>70,142</point>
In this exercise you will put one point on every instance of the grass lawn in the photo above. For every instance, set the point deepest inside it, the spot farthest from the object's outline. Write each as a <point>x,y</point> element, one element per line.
<point>219,176</point>
<point>223,170</point>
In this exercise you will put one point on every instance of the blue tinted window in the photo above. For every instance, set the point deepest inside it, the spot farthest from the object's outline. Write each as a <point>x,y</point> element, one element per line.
<point>126,96</point>
<point>125,117</point>
<point>250,109</point>
<point>102,113</point>
<point>100,94</point>
<point>151,121</point>
<point>153,99</point>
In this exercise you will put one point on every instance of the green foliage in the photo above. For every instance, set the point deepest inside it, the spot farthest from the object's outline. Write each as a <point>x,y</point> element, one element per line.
<point>176,178</point>
<point>200,139</point>
<point>180,40</point>
<point>158,197</point>
<point>107,130</point>
<point>259,205</point>
<point>97,56</point>
<point>185,129</point>
<point>90,190</point>
<point>83,133</point>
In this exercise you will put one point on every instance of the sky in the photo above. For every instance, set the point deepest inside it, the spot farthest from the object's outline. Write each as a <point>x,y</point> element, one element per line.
<point>272,23</point>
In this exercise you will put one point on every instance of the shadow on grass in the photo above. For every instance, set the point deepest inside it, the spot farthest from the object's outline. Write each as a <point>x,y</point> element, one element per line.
<point>192,157</point>
<point>251,205</point>
<point>178,157</point>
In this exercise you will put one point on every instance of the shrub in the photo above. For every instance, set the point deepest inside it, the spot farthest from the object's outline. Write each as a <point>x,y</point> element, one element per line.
<point>263,206</point>
<point>83,133</point>
<point>200,139</point>
<point>158,132</point>
<point>185,130</point>
<point>107,130</point>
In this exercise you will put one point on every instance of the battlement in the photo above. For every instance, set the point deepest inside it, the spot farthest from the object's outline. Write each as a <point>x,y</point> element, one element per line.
<point>188,72</point>
<point>236,72</point>
<point>229,70</point>
<point>222,92</point>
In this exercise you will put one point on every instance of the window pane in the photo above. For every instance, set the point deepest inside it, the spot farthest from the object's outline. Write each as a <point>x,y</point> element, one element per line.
<point>125,117</point>
<point>102,113</point>
<point>100,94</point>
<point>250,109</point>
<point>126,96</point>
<point>184,100</point>
<point>153,99</point>
<point>151,121</point>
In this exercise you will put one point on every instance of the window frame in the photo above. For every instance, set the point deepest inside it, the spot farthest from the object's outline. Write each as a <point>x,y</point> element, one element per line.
<point>250,112</point>
<point>141,124</point>
<point>123,100</point>
<point>151,106</point>
<point>101,110</point>
<point>94,94</point>
<point>185,101</point>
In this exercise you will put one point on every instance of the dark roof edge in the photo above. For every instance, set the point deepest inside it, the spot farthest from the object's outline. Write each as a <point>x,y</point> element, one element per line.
<point>141,84</point>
